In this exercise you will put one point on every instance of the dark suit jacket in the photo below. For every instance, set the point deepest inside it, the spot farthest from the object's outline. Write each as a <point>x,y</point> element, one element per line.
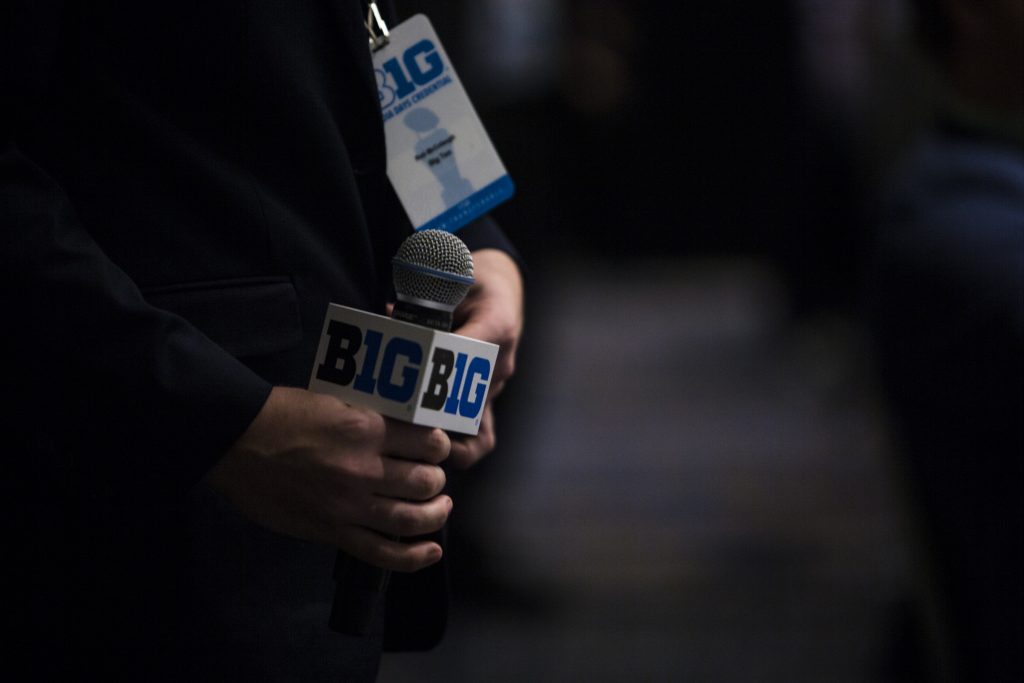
<point>183,188</point>
<point>947,305</point>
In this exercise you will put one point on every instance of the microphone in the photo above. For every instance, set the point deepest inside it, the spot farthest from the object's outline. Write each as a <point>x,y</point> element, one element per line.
<point>432,273</point>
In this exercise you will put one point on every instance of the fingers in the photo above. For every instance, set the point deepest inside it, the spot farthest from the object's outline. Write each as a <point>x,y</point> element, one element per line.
<point>494,391</point>
<point>376,540</point>
<point>467,451</point>
<point>505,367</point>
<point>387,553</point>
<point>315,468</point>
<point>481,327</point>
<point>409,480</point>
<point>406,518</point>
<point>411,442</point>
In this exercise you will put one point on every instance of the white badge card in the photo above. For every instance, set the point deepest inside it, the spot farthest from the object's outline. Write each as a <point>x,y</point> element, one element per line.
<point>441,163</point>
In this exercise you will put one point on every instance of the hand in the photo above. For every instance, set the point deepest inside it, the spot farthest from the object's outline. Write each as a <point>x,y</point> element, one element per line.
<point>313,467</point>
<point>492,312</point>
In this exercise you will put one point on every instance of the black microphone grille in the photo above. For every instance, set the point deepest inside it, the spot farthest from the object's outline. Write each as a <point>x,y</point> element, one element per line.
<point>433,266</point>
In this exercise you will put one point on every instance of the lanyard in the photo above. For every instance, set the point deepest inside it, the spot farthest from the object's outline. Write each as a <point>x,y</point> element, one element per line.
<point>375,25</point>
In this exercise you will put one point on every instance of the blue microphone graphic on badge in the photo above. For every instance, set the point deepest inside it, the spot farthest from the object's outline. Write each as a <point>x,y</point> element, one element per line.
<point>434,149</point>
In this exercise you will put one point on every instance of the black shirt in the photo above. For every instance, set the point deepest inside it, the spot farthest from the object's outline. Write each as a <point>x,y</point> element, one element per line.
<point>184,187</point>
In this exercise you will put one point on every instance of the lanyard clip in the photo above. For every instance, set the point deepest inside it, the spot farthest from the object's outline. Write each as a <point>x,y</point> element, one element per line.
<point>377,28</point>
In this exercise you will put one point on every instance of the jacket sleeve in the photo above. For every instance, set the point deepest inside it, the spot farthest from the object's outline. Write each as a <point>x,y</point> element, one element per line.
<point>122,397</point>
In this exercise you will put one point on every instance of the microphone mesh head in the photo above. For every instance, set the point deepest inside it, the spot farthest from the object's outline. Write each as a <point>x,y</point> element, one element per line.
<point>433,265</point>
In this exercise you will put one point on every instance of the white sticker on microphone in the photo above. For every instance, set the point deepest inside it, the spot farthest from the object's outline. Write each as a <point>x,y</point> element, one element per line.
<point>441,162</point>
<point>405,371</point>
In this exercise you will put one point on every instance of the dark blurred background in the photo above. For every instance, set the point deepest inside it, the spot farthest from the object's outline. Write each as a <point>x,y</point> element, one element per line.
<point>701,472</point>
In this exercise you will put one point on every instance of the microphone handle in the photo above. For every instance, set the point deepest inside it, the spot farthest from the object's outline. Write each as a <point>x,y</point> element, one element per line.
<point>359,592</point>
<point>360,587</point>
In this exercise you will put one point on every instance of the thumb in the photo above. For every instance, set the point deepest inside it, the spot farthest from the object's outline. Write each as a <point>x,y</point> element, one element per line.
<point>474,328</point>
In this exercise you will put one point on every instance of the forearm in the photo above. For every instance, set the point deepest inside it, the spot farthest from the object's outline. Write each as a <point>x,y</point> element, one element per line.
<point>135,391</point>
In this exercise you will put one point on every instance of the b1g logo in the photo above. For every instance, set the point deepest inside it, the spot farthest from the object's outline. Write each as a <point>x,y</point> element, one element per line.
<point>419,65</point>
<point>457,383</point>
<point>470,374</point>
